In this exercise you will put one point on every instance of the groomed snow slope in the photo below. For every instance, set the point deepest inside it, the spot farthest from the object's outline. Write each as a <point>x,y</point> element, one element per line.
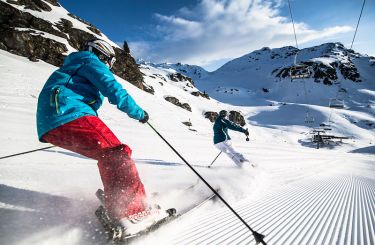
<point>296,195</point>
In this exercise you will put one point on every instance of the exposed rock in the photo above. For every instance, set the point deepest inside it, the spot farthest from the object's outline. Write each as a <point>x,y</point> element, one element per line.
<point>198,93</point>
<point>178,77</point>
<point>11,18</point>
<point>326,81</point>
<point>320,72</point>
<point>189,124</point>
<point>211,115</point>
<point>126,68</point>
<point>78,18</point>
<point>265,90</point>
<point>34,45</point>
<point>323,72</point>
<point>33,59</point>
<point>234,116</point>
<point>349,71</point>
<point>94,30</point>
<point>53,2</point>
<point>148,89</point>
<point>64,25</point>
<point>126,48</point>
<point>237,118</point>
<point>176,102</point>
<point>37,5</point>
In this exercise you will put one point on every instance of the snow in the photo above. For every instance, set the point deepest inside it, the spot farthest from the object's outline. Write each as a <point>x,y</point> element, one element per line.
<point>296,195</point>
<point>325,61</point>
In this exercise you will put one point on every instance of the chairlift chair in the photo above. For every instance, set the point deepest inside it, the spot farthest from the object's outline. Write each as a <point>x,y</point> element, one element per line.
<point>309,119</point>
<point>336,103</point>
<point>299,71</point>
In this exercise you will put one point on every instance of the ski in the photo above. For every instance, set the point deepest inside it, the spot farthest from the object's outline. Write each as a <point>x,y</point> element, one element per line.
<point>116,234</point>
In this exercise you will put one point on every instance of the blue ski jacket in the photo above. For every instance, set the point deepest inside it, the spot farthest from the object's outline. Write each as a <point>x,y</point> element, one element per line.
<point>77,89</point>
<point>221,126</point>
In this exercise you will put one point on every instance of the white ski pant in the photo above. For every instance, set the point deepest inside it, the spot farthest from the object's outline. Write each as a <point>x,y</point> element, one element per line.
<point>226,147</point>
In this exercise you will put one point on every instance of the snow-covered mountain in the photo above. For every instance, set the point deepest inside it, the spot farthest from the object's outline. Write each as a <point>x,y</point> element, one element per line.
<point>296,195</point>
<point>338,78</point>
<point>193,71</point>
<point>266,73</point>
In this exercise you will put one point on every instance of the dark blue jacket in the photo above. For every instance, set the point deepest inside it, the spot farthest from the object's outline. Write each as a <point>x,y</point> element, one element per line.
<point>77,89</point>
<point>221,126</point>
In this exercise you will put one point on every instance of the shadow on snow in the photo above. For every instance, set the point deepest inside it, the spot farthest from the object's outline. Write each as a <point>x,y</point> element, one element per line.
<point>25,213</point>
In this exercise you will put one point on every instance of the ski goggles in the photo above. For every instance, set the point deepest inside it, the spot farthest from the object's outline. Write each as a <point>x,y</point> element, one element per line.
<point>111,61</point>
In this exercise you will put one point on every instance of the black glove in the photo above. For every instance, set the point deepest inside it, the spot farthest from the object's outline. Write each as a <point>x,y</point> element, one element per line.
<point>247,132</point>
<point>145,118</point>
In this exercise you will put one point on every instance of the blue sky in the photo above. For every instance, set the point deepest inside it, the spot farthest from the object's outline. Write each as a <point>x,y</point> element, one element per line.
<point>211,32</point>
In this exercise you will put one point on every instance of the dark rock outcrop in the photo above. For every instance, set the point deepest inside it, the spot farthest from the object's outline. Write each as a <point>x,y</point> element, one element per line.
<point>237,118</point>
<point>234,116</point>
<point>178,77</point>
<point>125,47</point>
<point>36,5</point>
<point>24,34</point>
<point>127,68</point>
<point>189,124</point>
<point>176,102</point>
<point>349,71</point>
<point>211,115</point>
<point>328,74</point>
<point>198,93</point>
<point>27,44</point>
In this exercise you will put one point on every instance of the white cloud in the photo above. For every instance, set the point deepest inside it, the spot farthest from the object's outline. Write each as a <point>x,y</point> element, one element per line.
<point>217,30</point>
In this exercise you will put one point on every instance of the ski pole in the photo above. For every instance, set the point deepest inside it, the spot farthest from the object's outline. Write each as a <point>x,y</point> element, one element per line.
<point>247,136</point>
<point>26,152</point>
<point>214,160</point>
<point>257,236</point>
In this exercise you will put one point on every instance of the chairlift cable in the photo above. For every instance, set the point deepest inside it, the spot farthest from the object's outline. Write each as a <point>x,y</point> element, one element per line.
<point>351,46</point>
<point>295,59</point>
<point>359,19</point>
<point>294,29</point>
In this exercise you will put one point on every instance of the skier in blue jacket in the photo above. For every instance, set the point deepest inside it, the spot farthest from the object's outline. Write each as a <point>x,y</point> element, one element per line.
<point>67,117</point>
<point>222,139</point>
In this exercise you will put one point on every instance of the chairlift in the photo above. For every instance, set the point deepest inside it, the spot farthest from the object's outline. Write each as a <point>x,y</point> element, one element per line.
<point>309,119</point>
<point>336,103</point>
<point>299,71</point>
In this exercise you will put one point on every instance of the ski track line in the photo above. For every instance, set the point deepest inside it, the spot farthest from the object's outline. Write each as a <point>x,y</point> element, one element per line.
<point>303,218</point>
<point>275,210</point>
<point>323,210</point>
<point>224,214</point>
<point>264,225</point>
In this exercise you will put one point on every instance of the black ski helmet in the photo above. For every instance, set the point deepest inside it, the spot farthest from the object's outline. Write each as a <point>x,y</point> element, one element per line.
<point>223,113</point>
<point>103,50</point>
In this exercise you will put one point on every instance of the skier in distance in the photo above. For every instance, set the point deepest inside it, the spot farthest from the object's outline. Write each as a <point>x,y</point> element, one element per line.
<point>67,117</point>
<point>222,140</point>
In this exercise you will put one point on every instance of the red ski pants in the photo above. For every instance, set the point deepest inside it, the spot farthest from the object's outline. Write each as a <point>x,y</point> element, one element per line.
<point>89,136</point>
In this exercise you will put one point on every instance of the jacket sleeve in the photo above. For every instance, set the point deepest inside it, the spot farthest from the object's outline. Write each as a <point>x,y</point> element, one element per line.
<point>100,75</point>
<point>233,126</point>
